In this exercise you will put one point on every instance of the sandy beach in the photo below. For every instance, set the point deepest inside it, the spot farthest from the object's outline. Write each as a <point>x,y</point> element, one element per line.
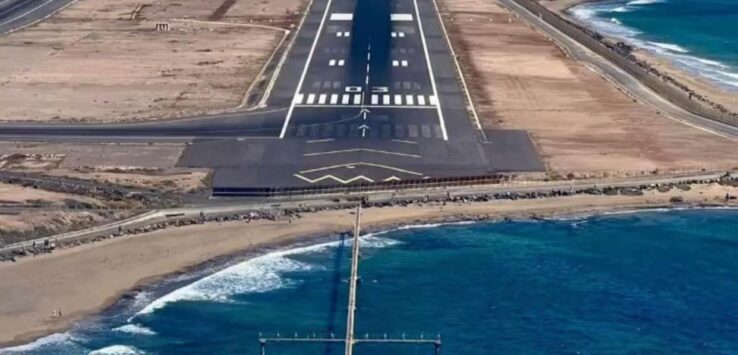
<point>87,279</point>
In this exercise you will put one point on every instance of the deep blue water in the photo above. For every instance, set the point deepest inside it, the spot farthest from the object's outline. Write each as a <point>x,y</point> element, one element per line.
<point>700,36</point>
<point>645,283</point>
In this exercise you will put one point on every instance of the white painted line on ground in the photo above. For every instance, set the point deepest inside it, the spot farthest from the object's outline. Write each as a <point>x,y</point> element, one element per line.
<point>401,17</point>
<point>353,89</point>
<point>311,99</point>
<point>25,13</point>
<point>337,16</point>
<point>409,100</point>
<point>386,99</point>
<point>331,62</point>
<point>357,99</point>
<point>404,63</point>
<point>433,101</point>
<point>421,100</point>
<point>345,99</point>
<point>298,98</point>
<point>393,34</point>
<point>339,34</point>
<point>442,122</point>
<point>305,68</point>
<point>375,99</point>
<point>401,34</point>
<point>395,63</point>
<point>321,99</point>
<point>334,99</point>
<point>398,99</point>
<point>404,107</point>
<point>341,62</point>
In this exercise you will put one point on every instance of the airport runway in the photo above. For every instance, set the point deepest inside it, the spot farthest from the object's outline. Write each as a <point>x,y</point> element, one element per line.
<point>15,14</point>
<point>369,93</point>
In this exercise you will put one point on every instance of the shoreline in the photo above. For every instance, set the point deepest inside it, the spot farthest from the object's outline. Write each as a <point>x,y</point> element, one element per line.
<point>26,318</point>
<point>712,91</point>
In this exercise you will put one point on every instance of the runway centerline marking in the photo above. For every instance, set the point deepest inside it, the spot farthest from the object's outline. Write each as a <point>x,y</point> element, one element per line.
<point>305,68</point>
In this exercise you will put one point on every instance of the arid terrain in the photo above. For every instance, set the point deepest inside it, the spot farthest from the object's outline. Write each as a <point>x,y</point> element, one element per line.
<point>68,198</point>
<point>579,121</point>
<point>103,60</point>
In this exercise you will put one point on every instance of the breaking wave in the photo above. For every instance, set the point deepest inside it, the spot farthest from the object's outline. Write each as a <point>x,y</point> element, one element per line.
<point>53,340</point>
<point>135,329</point>
<point>600,17</point>
<point>260,274</point>
<point>117,350</point>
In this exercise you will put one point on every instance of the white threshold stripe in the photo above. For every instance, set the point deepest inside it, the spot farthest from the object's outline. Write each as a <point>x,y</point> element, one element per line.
<point>377,100</point>
<point>305,69</point>
<point>401,17</point>
<point>416,107</point>
<point>430,73</point>
<point>337,16</point>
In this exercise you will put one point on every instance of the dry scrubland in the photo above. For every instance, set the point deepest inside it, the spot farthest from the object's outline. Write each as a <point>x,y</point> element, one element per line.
<point>580,122</point>
<point>129,164</point>
<point>46,216</point>
<point>102,60</point>
<point>30,212</point>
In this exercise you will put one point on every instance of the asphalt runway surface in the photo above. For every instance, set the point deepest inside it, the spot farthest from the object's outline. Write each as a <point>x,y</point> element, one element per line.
<point>15,14</point>
<point>368,93</point>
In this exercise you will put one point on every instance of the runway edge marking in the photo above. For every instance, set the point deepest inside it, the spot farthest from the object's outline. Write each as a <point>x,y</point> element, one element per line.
<point>305,68</point>
<point>430,71</point>
<point>458,69</point>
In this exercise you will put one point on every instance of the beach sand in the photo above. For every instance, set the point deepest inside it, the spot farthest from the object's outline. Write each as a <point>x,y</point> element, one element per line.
<point>84,280</point>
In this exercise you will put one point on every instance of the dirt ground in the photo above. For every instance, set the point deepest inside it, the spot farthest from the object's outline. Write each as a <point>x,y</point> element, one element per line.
<point>103,60</point>
<point>139,165</point>
<point>579,121</point>
<point>46,215</point>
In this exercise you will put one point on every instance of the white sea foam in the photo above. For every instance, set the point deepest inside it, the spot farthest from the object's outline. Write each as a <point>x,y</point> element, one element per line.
<point>135,329</point>
<point>669,47</point>
<point>621,9</point>
<point>117,350</point>
<point>257,275</point>
<point>643,2</point>
<point>55,340</point>
<point>596,15</point>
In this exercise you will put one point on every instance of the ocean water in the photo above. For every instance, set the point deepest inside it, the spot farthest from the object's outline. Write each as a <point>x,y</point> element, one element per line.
<point>647,283</point>
<point>699,36</point>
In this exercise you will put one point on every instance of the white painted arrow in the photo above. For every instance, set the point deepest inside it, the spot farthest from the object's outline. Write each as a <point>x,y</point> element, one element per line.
<point>363,129</point>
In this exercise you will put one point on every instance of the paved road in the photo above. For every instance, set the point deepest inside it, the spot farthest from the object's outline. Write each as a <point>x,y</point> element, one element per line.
<point>622,78</point>
<point>15,14</point>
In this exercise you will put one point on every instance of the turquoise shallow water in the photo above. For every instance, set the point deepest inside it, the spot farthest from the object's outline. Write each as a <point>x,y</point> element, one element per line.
<point>646,283</point>
<point>700,36</point>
